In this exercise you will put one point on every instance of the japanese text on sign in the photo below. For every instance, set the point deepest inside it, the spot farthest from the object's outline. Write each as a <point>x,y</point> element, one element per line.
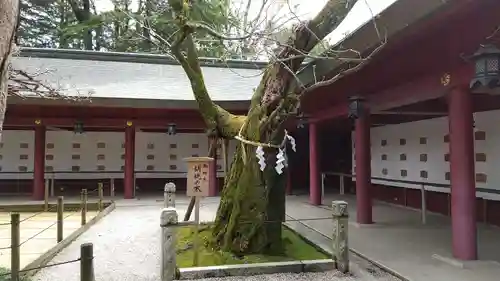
<point>198,178</point>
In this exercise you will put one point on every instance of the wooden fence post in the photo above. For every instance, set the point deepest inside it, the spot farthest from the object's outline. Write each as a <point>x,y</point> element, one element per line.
<point>112,187</point>
<point>424,204</point>
<point>340,236</point>
<point>169,195</point>
<point>84,207</point>
<point>15,254</point>
<point>46,195</point>
<point>101,195</point>
<point>168,221</point>
<point>323,176</point>
<point>342,186</point>
<point>60,213</point>
<point>52,185</point>
<point>87,262</point>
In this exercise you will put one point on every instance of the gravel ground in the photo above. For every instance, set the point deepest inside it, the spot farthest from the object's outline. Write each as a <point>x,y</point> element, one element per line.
<point>126,247</point>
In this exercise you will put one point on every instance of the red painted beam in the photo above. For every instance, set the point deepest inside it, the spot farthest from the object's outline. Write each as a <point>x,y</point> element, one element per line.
<point>105,122</point>
<point>425,88</point>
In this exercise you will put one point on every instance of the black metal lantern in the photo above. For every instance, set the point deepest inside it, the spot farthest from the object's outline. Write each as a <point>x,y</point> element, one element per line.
<point>78,127</point>
<point>487,69</point>
<point>301,122</point>
<point>356,108</point>
<point>171,129</point>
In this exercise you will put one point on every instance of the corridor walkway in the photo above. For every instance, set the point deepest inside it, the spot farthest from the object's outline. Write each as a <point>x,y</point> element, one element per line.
<point>400,242</point>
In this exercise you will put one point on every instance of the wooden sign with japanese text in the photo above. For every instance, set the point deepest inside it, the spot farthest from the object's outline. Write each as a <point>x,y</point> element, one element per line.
<point>198,176</point>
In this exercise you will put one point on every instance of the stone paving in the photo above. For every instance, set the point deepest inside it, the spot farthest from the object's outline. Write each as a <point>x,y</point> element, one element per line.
<point>399,241</point>
<point>38,234</point>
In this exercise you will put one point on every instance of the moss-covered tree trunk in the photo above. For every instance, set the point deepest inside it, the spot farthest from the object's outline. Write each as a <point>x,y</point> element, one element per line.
<point>253,201</point>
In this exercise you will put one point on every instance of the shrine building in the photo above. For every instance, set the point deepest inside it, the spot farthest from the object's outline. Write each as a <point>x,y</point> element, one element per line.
<point>414,125</point>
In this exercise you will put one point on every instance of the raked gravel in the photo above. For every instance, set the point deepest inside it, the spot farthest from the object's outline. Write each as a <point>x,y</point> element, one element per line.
<point>126,248</point>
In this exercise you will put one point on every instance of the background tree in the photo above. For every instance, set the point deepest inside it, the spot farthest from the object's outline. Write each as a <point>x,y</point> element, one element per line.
<point>14,82</point>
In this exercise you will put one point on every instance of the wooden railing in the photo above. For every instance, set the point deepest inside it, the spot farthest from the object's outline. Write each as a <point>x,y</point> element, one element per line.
<point>422,184</point>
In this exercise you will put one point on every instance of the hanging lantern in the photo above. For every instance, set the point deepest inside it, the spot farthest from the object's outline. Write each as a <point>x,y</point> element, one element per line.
<point>171,129</point>
<point>301,120</point>
<point>301,123</point>
<point>78,127</point>
<point>487,70</point>
<point>356,109</point>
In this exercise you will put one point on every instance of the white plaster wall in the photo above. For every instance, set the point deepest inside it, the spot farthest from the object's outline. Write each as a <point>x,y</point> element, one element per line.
<point>10,150</point>
<point>435,131</point>
<point>63,151</point>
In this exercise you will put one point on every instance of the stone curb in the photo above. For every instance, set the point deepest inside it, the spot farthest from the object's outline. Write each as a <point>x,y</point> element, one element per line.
<point>255,269</point>
<point>46,257</point>
<point>462,264</point>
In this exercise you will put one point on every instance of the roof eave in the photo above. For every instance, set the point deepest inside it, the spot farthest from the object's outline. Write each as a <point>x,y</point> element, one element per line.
<point>128,102</point>
<point>133,58</point>
<point>394,20</point>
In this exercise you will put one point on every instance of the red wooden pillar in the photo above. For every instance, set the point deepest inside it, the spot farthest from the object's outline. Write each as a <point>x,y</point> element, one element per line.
<point>462,174</point>
<point>314,172</point>
<point>363,169</point>
<point>129,176</point>
<point>213,185</point>
<point>39,163</point>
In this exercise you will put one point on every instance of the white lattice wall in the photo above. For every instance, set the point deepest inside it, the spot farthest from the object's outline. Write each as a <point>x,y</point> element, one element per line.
<point>101,154</point>
<point>419,151</point>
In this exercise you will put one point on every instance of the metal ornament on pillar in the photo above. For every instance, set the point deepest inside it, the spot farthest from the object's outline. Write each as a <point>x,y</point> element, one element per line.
<point>356,109</point>
<point>78,127</point>
<point>171,129</point>
<point>301,122</point>
<point>487,70</point>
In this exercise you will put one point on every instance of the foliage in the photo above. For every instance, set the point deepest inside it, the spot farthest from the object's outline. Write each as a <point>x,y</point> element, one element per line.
<point>42,23</point>
<point>3,272</point>
<point>54,24</point>
<point>295,248</point>
<point>5,276</point>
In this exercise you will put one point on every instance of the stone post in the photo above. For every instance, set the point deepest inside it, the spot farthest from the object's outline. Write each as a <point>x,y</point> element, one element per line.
<point>169,195</point>
<point>340,236</point>
<point>168,221</point>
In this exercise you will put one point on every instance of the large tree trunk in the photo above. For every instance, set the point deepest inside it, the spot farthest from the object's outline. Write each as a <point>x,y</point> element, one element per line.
<point>83,14</point>
<point>252,206</point>
<point>253,201</point>
<point>9,14</point>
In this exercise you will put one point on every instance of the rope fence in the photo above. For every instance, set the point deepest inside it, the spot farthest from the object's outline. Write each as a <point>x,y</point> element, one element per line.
<point>422,185</point>
<point>191,223</point>
<point>169,222</point>
<point>59,209</point>
<point>86,261</point>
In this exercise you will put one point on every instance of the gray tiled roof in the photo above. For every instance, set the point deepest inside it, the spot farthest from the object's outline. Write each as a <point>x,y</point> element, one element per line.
<point>137,80</point>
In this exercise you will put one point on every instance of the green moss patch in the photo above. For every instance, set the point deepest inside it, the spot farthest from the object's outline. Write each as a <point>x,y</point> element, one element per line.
<point>295,249</point>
